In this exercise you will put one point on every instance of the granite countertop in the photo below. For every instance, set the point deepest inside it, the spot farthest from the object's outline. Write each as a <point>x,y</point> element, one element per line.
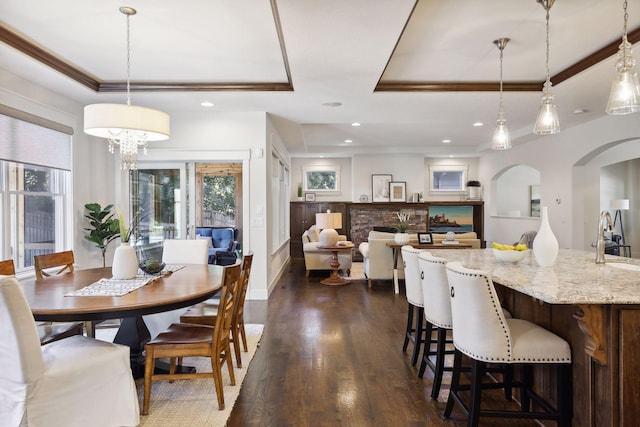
<point>575,278</point>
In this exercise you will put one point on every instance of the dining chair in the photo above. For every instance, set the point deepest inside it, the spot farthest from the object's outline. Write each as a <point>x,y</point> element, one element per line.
<point>176,252</point>
<point>414,332</point>
<point>73,382</point>
<point>47,331</point>
<point>62,262</point>
<point>192,340</point>
<point>486,336</point>
<point>206,313</point>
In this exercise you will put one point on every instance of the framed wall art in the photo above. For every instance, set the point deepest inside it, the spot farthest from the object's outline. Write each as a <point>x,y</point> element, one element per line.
<point>397,191</point>
<point>309,197</point>
<point>380,187</point>
<point>425,238</point>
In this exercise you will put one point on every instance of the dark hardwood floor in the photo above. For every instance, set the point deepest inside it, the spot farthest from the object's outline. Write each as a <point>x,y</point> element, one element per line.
<point>332,356</point>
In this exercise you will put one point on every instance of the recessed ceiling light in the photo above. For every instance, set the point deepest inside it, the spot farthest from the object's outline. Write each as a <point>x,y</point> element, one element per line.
<point>446,141</point>
<point>206,104</point>
<point>478,124</point>
<point>451,155</point>
<point>348,141</point>
<point>332,104</point>
<point>580,111</point>
<point>355,124</point>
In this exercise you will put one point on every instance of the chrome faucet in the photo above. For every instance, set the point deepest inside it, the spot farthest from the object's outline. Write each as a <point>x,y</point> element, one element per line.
<point>604,216</point>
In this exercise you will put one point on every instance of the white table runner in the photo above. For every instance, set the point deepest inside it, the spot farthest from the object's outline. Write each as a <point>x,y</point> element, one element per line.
<point>109,287</point>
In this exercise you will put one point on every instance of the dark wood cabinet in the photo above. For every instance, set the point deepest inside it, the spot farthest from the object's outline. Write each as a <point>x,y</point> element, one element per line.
<point>303,216</point>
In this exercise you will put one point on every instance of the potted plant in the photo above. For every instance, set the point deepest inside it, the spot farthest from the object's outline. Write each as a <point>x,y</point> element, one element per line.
<point>300,191</point>
<point>475,189</point>
<point>104,227</point>
<point>402,237</point>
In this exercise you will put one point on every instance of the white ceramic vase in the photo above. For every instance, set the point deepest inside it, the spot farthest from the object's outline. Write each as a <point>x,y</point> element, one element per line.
<point>125,262</point>
<point>545,245</point>
<point>402,238</point>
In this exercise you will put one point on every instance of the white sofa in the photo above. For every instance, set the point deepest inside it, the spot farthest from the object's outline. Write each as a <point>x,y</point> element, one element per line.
<point>320,259</point>
<point>378,257</point>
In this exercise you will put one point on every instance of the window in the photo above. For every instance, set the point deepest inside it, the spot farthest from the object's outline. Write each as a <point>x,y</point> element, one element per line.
<point>280,201</point>
<point>321,178</point>
<point>35,188</point>
<point>448,178</point>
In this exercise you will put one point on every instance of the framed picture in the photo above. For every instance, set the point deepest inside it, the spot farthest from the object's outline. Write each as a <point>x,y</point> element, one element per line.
<point>425,238</point>
<point>397,191</point>
<point>443,219</point>
<point>309,197</point>
<point>321,178</point>
<point>380,187</point>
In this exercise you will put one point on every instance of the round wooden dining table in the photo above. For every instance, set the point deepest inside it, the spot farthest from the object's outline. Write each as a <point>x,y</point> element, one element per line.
<point>187,286</point>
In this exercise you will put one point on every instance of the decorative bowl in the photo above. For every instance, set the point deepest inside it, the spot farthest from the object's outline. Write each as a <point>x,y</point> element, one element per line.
<point>510,255</point>
<point>151,266</point>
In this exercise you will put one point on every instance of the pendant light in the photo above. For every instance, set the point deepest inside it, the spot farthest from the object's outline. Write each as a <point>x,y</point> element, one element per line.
<point>126,125</point>
<point>501,139</point>
<point>625,89</point>
<point>547,122</point>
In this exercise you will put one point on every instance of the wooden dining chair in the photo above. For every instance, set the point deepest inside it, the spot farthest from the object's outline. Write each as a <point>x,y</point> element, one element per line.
<point>47,331</point>
<point>62,262</point>
<point>206,313</point>
<point>43,264</point>
<point>191,340</point>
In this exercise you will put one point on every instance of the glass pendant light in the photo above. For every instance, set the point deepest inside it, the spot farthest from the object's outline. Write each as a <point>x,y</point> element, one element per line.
<point>501,139</point>
<point>547,122</point>
<point>625,89</point>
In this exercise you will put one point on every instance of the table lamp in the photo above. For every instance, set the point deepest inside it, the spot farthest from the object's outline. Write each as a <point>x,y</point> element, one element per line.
<point>328,222</point>
<point>619,205</point>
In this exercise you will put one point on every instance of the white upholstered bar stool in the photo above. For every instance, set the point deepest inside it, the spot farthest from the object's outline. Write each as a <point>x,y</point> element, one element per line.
<point>437,312</point>
<point>74,382</point>
<point>481,332</point>
<point>414,332</point>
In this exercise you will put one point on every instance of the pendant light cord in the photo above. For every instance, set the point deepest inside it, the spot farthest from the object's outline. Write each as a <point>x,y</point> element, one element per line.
<point>624,34</point>
<point>501,55</point>
<point>128,61</point>
<point>548,72</point>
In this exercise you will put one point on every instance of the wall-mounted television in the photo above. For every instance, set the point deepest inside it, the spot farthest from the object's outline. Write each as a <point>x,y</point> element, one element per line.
<point>443,219</point>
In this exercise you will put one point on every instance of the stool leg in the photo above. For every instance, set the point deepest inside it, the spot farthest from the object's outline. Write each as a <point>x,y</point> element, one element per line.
<point>478,369</point>
<point>439,366</point>
<point>564,391</point>
<point>427,350</point>
<point>527,382</point>
<point>408,330</point>
<point>419,336</point>
<point>455,382</point>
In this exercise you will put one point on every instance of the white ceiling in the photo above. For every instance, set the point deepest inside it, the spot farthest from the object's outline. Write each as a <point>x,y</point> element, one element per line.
<point>330,51</point>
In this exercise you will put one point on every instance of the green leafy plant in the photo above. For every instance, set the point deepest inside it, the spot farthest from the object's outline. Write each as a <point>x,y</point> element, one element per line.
<point>104,227</point>
<point>299,190</point>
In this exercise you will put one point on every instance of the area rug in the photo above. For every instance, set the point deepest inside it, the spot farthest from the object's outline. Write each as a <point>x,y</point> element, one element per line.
<point>194,402</point>
<point>357,271</point>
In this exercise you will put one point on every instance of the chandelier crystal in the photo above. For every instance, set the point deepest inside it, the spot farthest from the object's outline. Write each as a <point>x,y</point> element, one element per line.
<point>501,139</point>
<point>547,122</point>
<point>624,97</point>
<point>125,125</point>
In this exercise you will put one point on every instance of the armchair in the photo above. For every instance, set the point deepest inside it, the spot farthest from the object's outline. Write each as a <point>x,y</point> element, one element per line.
<point>319,259</point>
<point>223,243</point>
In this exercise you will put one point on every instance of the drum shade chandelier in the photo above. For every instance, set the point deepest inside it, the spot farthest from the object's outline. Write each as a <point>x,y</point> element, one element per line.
<point>501,139</point>
<point>547,122</point>
<point>624,97</point>
<point>128,126</point>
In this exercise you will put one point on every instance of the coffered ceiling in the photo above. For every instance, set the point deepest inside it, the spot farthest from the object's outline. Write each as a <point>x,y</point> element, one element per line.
<point>412,73</point>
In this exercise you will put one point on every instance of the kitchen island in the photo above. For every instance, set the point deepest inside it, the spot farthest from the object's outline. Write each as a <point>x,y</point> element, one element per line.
<point>595,307</point>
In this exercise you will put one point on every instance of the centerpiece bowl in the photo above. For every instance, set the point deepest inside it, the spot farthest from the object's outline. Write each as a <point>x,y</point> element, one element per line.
<point>151,266</point>
<point>510,255</point>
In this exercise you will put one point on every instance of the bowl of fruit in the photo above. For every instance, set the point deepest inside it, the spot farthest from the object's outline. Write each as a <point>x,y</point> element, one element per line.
<point>510,253</point>
<point>151,266</point>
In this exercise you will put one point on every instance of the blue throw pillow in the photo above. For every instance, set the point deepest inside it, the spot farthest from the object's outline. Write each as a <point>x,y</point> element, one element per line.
<point>226,244</point>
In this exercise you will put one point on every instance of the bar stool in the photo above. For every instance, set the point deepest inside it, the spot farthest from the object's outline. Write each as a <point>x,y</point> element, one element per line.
<point>437,312</point>
<point>485,335</point>
<point>413,285</point>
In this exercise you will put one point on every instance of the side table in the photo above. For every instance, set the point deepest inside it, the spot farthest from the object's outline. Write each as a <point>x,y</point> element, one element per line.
<point>334,279</point>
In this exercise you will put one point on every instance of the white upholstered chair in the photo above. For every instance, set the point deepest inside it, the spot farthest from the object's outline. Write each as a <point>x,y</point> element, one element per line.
<point>76,381</point>
<point>414,331</point>
<point>177,252</point>
<point>485,335</point>
<point>437,312</point>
